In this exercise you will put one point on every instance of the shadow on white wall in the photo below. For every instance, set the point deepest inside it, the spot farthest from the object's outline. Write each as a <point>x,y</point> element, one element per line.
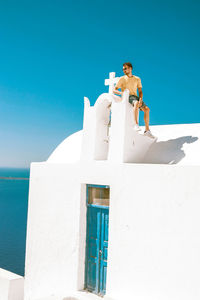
<point>168,152</point>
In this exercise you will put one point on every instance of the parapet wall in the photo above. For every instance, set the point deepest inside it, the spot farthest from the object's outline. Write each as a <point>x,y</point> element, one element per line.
<point>176,144</point>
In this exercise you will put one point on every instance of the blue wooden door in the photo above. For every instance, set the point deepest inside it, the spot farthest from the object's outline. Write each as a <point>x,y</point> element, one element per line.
<point>97,248</point>
<point>103,250</point>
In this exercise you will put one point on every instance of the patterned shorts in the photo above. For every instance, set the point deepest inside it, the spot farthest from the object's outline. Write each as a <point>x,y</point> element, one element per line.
<point>133,99</point>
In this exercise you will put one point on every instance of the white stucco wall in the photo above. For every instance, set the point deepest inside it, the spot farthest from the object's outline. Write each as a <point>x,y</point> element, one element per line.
<point>53,230</point>
<point>154,234</point>
<point>154,230</point>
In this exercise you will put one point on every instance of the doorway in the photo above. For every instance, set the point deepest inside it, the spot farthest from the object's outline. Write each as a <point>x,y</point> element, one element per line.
<point>98,198</point>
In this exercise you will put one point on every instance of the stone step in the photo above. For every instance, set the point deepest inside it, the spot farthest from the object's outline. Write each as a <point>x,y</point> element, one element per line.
<point>83,295</point>
<point>11,285</point>
<point>51,298</point>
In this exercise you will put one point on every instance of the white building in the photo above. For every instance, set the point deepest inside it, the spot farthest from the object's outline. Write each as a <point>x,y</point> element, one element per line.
<point>116,216</point>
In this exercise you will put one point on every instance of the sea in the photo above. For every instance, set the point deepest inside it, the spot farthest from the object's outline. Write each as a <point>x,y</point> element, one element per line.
<point>14,186</point>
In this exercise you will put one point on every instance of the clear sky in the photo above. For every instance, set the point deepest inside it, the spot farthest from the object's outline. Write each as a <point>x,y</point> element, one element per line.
<point>53,53</point>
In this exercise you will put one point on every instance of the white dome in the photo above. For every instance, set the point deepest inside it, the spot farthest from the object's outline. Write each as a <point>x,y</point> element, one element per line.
<point>68,151</point>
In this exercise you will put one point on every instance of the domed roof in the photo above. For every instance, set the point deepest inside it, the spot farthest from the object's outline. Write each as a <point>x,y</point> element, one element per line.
<point>68,151</point>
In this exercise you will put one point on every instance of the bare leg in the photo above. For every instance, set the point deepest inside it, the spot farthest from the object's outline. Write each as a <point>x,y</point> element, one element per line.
<point>146,117</point>
<point>135,112</point>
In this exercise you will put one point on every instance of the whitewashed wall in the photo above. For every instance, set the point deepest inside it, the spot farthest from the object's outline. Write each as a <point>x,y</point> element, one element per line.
<point>154,230</point>
<point>53,230</point>
<point>155,234</point>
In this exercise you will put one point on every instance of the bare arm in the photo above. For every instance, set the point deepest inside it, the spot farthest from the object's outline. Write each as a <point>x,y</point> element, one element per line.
<point>140,93</point>
<point>140,96</point>
<point>115,91</point>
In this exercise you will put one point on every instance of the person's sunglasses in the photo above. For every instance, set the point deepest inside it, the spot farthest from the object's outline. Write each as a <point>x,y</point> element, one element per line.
<point>125,69</point>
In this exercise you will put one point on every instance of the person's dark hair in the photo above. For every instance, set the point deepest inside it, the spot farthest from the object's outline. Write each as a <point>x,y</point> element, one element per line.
<point>128,64</point>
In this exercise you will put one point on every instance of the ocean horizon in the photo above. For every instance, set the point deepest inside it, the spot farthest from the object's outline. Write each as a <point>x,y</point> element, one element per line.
<point>14,187</point>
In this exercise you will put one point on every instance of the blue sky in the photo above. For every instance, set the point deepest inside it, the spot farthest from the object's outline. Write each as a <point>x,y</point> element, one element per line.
<point>53,53</point>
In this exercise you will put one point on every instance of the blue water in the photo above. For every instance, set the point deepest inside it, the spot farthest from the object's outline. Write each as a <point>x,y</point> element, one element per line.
<point>13,218</point>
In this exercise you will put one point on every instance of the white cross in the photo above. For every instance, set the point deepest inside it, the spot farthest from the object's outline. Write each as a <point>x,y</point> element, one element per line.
<point>111,82</point>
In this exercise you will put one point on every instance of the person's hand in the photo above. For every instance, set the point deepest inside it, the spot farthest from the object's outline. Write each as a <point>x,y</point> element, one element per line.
<point>140,102</point>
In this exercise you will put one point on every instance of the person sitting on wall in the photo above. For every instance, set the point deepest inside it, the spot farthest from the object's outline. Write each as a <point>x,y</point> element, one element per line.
<point>132,83</point>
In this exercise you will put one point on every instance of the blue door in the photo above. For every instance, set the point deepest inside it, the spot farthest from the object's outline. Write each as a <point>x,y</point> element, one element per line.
<point>97,244</point>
